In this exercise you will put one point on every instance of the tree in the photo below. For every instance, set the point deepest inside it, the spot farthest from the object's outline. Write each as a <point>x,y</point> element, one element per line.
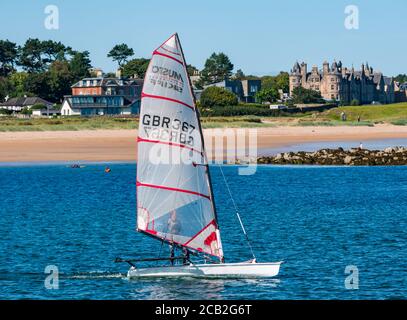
<point>302,95</point>
<point>59,81</point>
<point>401,78</point>
<point>217,68</point>
<point>120,53</point>
<point>355,102</point>
<point>80,65</point>
<point>31,57</point>
<point>136,67</point>
<point>37,85</point>
<point>239,75</point>
<point>191,69</point>
<point>216,96</point>
<point>5,88</point>
<point>8,57</point>
<point>55,50</point>
<point>26,111</point>
<point>37,55</point>
<point>17,81</point>
<point>280,81</point>
<point>268,95</point>
<point>51,85</point>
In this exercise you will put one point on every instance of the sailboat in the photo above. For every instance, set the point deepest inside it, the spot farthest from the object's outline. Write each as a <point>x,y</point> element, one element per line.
<point>175,202</point>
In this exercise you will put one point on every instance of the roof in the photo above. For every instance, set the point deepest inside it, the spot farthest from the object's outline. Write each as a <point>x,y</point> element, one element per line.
<point>25,101</point>
<point>376,77</point>
<point>111,82</point>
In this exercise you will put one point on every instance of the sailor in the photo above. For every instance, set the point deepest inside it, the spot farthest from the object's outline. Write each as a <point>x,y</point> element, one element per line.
<point>173,227</point>
<point>185,252</point>
<point>172,253</point>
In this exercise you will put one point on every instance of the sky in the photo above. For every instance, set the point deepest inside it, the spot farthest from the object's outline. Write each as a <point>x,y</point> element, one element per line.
<point>260,36</point>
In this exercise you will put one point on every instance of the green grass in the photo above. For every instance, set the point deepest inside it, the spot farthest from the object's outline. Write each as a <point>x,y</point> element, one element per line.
<point>374,113</point>
<point>234,122</point>
<point>400,122</point>
<point>370,114</point>
<point>66,124</point>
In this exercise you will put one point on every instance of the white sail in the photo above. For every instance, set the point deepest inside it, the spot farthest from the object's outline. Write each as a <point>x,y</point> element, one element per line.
<point>174,197</point>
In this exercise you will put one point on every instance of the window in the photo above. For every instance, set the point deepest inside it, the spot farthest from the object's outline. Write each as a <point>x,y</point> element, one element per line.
<point>332,87</point>
<point>253,88</point>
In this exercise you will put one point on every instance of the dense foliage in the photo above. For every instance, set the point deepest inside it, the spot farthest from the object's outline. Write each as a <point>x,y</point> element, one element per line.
<point>280,81</point>
<point>240,110</point>
<point>402,78</point>
<point>217,68</point>
<point>355,102</point>
<point>46,69</point>
<point>216,96</point>
<point>136,67</point>
<point>302,95</point>
<point>120,53</point>
<point>267,95</point>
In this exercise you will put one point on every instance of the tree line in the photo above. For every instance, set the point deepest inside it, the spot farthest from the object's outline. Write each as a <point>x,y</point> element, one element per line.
<point>49,68</point>
<point>40,68</point>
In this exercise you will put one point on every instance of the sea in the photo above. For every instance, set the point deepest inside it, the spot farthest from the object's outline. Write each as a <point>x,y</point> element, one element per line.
<point>341,233</point>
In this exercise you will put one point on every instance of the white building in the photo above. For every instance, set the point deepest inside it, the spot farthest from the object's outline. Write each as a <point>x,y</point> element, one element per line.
<point>18,104</point>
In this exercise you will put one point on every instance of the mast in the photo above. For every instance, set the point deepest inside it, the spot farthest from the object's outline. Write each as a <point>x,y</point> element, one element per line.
<point>203,150</point>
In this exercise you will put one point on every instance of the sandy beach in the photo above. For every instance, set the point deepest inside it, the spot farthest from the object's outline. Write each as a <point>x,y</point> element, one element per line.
<point>121,145</point>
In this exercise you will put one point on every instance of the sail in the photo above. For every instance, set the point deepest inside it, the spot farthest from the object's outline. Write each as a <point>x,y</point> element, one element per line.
<point>174,196</point>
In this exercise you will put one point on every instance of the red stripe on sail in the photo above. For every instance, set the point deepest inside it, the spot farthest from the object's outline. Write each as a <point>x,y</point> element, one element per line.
<point>139,139</point>
<point>167,56</point>
<point>213,222</point>
<point>156,235</point>
<point>146,95</point>
<point>140,184</point>
<point>169,50</point>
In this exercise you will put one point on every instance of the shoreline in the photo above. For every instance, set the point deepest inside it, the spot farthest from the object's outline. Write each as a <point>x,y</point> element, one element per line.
<point>121,145</point>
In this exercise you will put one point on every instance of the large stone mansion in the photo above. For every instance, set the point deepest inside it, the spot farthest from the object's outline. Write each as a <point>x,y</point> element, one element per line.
<point>342,84</point>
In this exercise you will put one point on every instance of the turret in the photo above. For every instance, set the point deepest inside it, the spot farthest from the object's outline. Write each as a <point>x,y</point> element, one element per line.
<point>304,72</point>
<point>325,67</point>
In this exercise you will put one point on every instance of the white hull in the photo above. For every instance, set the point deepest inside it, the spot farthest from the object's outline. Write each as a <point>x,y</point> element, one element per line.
<point>224,270</point>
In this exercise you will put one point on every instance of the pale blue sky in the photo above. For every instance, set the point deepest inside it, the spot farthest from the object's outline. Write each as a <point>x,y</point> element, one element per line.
<point>259,36</point>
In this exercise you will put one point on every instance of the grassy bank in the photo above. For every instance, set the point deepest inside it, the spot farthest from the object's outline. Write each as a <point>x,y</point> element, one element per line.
<point>67,124</point>
<point>370,115</point>
<point>98,123</point>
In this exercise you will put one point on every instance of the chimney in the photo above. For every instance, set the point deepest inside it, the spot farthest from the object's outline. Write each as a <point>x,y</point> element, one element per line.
<point>325,68</point>
<point>344,71</point>
<point>119,73</point>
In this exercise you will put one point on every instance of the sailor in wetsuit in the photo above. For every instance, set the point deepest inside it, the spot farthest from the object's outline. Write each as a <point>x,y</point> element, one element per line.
<point>173,227</point>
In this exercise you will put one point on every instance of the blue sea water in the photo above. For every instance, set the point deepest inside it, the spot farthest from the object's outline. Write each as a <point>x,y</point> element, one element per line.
<point>318,220</point>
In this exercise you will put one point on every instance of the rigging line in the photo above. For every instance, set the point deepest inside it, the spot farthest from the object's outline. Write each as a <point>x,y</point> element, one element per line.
<point>237,213</point>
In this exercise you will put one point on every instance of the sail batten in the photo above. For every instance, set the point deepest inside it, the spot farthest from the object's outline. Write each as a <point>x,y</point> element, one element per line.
<point>174,195</point>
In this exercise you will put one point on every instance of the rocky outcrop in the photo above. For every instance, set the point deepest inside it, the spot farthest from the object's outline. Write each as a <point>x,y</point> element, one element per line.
<point>354,157</point>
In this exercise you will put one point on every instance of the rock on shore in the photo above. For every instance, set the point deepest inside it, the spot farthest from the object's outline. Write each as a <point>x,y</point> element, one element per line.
<point>361,157</point>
